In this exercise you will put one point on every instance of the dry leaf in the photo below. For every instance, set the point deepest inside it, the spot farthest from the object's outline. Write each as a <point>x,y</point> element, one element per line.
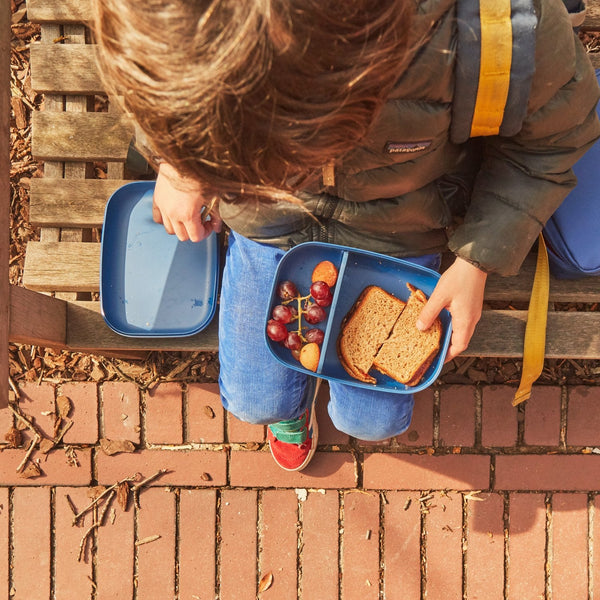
<point>209,412</point>
<point>111,447</point>
<point>13,437</point>
<point>30,471</point>
<point>266,582</point>
<point>206,477</point>
<point>46,445</point>
<point>64,406</point>
<point>123,495</point>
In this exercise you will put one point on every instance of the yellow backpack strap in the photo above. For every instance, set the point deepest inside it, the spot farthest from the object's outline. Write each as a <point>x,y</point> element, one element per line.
<point>534,347</point>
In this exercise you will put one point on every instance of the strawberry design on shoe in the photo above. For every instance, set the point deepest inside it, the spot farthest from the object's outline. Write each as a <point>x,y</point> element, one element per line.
<point>293,442</point>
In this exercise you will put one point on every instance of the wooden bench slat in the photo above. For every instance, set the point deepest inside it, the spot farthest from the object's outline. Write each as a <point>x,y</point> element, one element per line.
<point>87,331</point>
<point>70,202</point>
<point>80,137</point>
<point>569,334</point>
<point>65,69</point>
<point>59,11</point>
<point>62,267</point>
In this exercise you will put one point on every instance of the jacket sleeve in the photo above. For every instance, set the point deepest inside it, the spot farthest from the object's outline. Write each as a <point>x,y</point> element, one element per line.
<point>524,178</point>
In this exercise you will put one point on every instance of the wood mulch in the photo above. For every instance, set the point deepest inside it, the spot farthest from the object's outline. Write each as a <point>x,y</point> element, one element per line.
<point>32,363</point>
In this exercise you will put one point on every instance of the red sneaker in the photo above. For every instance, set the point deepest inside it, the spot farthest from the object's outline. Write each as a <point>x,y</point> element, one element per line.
<point>293,442</point>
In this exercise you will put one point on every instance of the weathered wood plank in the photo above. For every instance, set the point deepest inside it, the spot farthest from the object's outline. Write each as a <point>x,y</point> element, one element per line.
<point>37,319</point>
<point>83,137</point>
<point>59,11</point>
<point>5,16</point>
<point>70,202</point>
<point>62,266</point>
<point>87,331</point>
<point>518,287</point>
<point>65,69</point>
<point>592,17</point>
<point>569,335</point>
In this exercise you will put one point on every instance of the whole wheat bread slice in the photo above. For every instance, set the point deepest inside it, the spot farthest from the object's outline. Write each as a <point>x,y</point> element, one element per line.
<point>365,328</point>
<point>408,352</point>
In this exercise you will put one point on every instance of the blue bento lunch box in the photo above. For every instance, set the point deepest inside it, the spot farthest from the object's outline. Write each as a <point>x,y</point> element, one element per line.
<point>151,284</point>
<point>356,270</point>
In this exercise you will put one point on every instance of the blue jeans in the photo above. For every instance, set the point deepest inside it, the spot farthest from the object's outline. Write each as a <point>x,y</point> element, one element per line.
<point>255,387</point>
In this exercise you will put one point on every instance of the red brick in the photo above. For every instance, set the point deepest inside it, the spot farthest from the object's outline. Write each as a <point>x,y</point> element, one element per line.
<point>121,411</point>
<point>402,546</point>
<point>205,414</point>
<point>239,515</point>
<point>548,472</point>
<point>156,560</point>
<point>31,543</point>
<point>326,470</point>
<point>542,417</point>
<point>240,432</point>
<point>37,401</point>
<point>4,529</point>
<point>279,542</point>
<point>197,546</point>
<point>164,414</point>
<point>485,547</point>
<point>595,535</point>
<point>6,421</point>
<point>185,467</point>
<point>360,546</point>
<point>443,547</point>
<point>499,422</point>
<point>457,415</point>
<point>84,399</point>
<point>569,546</point>
<point>420,431</point>
<point>583,417</point>
<point>526,547</point>
<point>115,557</point>
<point>54,467</point>
<point>320,553</point>
<point>328,434</point>
<point>423,472</point>
<point>72,578</point>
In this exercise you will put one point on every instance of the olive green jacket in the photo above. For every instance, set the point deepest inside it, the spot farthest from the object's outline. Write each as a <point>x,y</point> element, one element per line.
<point>411,190</point>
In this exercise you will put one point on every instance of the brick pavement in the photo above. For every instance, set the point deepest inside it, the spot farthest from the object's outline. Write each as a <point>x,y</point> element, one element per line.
<point>477,500</point>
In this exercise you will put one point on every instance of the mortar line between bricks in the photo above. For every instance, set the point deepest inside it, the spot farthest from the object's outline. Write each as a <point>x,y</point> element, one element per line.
<point>100,398</point>
<point>218,538</point>
<point>548,550</point>
<point>300,549</point>
<point>436,419</point>
<point>422,553</point>
<point>142,410</point>
<point>176,575</point>
<point>381,530</point>
<point>135,573</point>
<point>562,436</point>
<point>185,433</point>
<point>11,540</point>
<point>477,437</point>
<point>259,536</point>
<point>506,529</point>
<point>590,539</point>
<point>463,545</point>
<point>52,509</point>
<point>341,498</point>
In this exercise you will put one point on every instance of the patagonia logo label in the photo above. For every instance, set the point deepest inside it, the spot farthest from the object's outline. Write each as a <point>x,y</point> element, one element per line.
<point>406,147</point>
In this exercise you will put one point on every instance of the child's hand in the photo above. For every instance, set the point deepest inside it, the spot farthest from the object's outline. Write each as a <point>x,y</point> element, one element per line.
<point>178,204</point>
<point>460,290</point>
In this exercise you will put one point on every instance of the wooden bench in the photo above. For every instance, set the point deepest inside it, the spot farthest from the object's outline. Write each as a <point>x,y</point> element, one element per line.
<point>68,205</point>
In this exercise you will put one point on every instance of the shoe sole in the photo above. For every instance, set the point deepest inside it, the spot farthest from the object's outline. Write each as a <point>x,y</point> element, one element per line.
<point>315,429</point>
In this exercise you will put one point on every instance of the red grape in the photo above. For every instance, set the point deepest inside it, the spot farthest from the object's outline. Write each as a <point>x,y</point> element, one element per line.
<point>276,330</point>
<point>319,290</point>
<point>283,313</point>
<point>325,301</point>
<point>314,314</point>
<point>314,335</point>
<point>293,341</point>
<point>287,290</point>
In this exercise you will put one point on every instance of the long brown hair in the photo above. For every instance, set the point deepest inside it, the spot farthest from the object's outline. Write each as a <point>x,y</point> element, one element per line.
<point>252,94</point>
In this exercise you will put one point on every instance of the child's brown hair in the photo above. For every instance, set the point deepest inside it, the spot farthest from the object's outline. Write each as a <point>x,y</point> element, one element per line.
<point>252,94</point>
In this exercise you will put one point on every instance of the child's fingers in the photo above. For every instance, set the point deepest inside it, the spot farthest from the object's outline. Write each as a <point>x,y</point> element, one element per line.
<point>156,214</point>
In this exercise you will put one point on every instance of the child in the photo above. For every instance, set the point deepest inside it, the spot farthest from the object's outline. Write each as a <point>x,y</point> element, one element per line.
<point>332,121</point>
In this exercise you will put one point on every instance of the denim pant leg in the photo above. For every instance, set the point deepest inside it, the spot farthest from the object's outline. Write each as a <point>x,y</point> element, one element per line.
<point>255,387</point>
<point>370,414</point>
